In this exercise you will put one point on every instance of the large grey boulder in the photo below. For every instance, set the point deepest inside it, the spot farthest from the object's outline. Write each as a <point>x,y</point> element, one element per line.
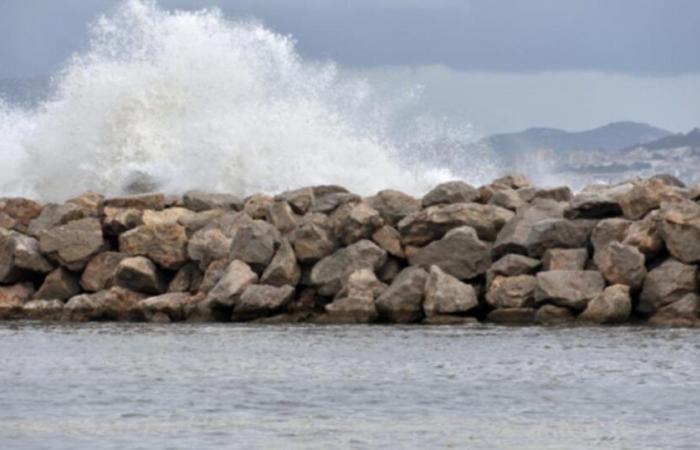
<point>255,244</point>
<point>139,274</point>
<point>261,301</point>
<point>622,264</point>
<point>460,253</point>
<point>99,272</point>
<point>355,221</point>
<point>403,301</point>
<point>512,265</point>
<point>666,284</point>
<point>451,192</point>
<point>58,285</point>
<point>313,238</point>
<point>393,205</point>
<point>53,215</point>
<point>512,292</point>
<point>446,295</point>
<point>565,259</point>
<point>681,313</point>
<point>165,244</point>
<point>355,303</point>
<point>613,305</point>
<point>19,253</point>
<point>234,280</point>
<point>284,268</point>
<point>74,243</point>
<point>330,273</point>
<point>569,288</point>
<point>680,230</point>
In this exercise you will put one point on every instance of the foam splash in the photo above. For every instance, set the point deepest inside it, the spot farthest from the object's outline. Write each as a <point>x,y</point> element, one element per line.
<point>183,100</point>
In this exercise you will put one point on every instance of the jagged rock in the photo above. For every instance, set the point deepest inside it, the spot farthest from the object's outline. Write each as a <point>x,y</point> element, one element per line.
<point>512,181</point>
<point>646,196</point>
<point>512,316</point>
<point>330,273</point>
<point>597,202</point>
<point>607,231</point>
<point>234,280</point>
<point>393,205</point>
<point>261,301</point>
<point>569,288</point>
<point>553,233</point>
<point>171,305</point>
<point>197,310</point>
<point>165,244</point>
<point>187,279</point>
<point>403,301</point>
<point>507,198</point>
<point>301,200</point>
<point>622,264</point>
<point>256,206</point>
<point>645,235</point>
<point>199,201</point>
<point>451,192</point>
<point>99,272</point>
<point>681,313</point>
<point>255,244</point>
<point>169,215</point>
<point>565,259</point>
<point>283,269</point>
<point>680,230</point>
<point>554,315</point>
<point>53,215</point>
<point>46,310</point>
<point>281,216</point>
<point>139,201</point>
<point>91,203</point>
<point>139,274</point>
<point>613,305</point>
<point>391,268</point>
<point>213,274</point>
<point>208,245</point>
<point>666,284</point>
<point>446,295</point>
<point>460,253</point>
<point>13,298</point>
<point>512,265</point>
<point>118,220</point>
<point>74,243</point>
<point>19,212</point>
<point>58,285</point>
<point>512,292</point>
<point>119,304</point>
<point>558,194</point>
<point>355,303</point>
<point>19,253</point>
<point>82,308</point>
<point>199,220</point>
<point>355,221</point>
<point>390,240</point>
<point>330,202</point>
<point>313,238</point>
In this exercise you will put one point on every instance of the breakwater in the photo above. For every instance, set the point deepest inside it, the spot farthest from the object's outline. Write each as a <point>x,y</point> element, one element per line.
<point>506,252</point>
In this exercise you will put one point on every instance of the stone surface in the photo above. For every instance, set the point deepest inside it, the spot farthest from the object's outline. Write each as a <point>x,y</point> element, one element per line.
<point>53,215</point>
<point>281,216</point>
<point>313,238</point>
<point>645,235</point>
<point>446,295</point>
<point>19,253</point>
<point>666,284</point>
<point>21,211</point>
<point>91,203</point>
<point>622,264</point>
<point>612,306</point>
<point>681,313</point>
<point>607,231</point>
<point>512,316</point>
<point>393,205</point>
<point>646,196</point>
<point>261,301</point>
<point>330,273</point>
<point>118,220</point>
<point>680,230</point>
<point>301,200</point>
<point>139,274</point>
<point>58,285</point>
<point>45,310</point>
<point>389,239</point>
<point>355,221</point>
<point>13,298</point>
<point>168,215</point>
<point>511,265</point>
<point>187,279</point>
<point>565,259</point>
<point>234,280</point>
<point>165,244</point>
<point>597,202</point>
<point>140,201</point>
<point>203,201</point>
<point>255,244</point>
<point>171,305</point>
<point>403,301</point>
<point>256,206</point>
<point>355,303</point>
<point>207,245</point>
<point>507,198</point>
<point>284,268</point>
<point>569,288</point>
<point>99,272</point>
<point>518,234</point>
<point>512,292</point>
<point>554,315</point>
<point>74,243</point>
<point>450,192</point>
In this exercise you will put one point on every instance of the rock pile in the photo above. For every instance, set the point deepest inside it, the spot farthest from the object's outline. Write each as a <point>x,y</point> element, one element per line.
<point>507,252</point>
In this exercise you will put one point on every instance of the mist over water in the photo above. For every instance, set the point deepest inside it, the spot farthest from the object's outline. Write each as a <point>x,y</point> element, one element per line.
<point>186,100</point>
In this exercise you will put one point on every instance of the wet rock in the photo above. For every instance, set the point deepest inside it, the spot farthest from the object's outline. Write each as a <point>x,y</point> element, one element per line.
<point>569,288</point>
<point>622,264</point>
<point>19,212</point>
<point>139,274</point>
<point>403,301</point>
<point>139,201</point>
<point>680,230</point>
<point>355,221</point>
<point>165,244</point>
<point>512,265</point>
<point>284,268</point>
<point>13,298</point>
<point>432,223</point>
<point>58,285</point>
<point>460,253</point>
<point>451,192</point>
<point>91,203</point>
<point>565,259</point>
<point>645,235</point>
<point>171,305</point>
<point>355,303</point>
<point>512,316</point>
<point>118,220</point>
<point>313,238</point>
<point>681,313</point>
<point>45,310</point>
<point>389,239</point>
<point>99,272</point>
<point>204,201</point>
<point>393,205</point>
<point>330,273</point>
<point>613,305</point>
<point>234,280</point>
<point>512,292</point>
<point>118,304</point>
<point>255,244</point>
<point>256,206</point>
<point>451,320</point>
<point>187,279</point>
<point>82,308</point>
<point>552,315</point>
<point>74,243</point>
<point>281,216</point>
<point>53,215</point>
<point>446,295</point>
<point>666,284</point>
<point>261,301</point>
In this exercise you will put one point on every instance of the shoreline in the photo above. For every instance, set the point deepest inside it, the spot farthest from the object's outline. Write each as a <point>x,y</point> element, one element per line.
<point>505,253</point>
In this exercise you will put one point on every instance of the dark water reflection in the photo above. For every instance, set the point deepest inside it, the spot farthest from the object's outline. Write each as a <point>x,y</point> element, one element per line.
<point>180,386</point>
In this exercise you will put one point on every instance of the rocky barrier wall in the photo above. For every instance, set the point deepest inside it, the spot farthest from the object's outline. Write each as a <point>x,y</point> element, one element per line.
<point>507,252</point>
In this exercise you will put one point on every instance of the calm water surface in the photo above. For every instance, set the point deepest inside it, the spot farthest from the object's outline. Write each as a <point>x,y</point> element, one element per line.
<point>111,386</point>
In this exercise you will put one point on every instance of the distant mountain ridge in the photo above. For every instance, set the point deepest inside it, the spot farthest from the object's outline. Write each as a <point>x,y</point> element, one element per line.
<point>690,139</point>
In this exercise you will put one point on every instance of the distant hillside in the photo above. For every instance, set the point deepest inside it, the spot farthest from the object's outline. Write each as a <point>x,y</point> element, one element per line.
<point>691,139</point>
<point>614,136</point>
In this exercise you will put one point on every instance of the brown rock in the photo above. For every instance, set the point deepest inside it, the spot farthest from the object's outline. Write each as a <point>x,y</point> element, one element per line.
<point>507,198</point>
<point>554,315</point>
<point>451,192</point>
<point>171,305</point>
<point>256,206</point>
<point>169,215</point>
<point>12,300</point>
<point>140,201</point>
<point>199,220</point>
<point>613,305</point>
<point>329,202</point>
<point>261,301</point>
<point>255,244</point>
<point>355,221</point>
<point>460,253</point>
<point>512,292</point>
<point>74,243</point>
<point>301,200</point>
<point>99,272</point>
<point>403,301</point>
<point>680,230</point>
<point>512,265</point>
<point>518,234</point>
<point>19,253</point>
<point>681,313</point>
<point>45,310</point>
<point>21,211</point>
<point>446,295</point>
<point>622,264</point>
<point>597,202</point>
<point>645,235</point>
<point>235,279</point>
<point>213,274</point>
<point>565,259</point>
<point>166,244</point>
<point>393,205</point>
<point>569,288</point>
<point>283,269</point>
<point>390,240</point>
<point>119,220</point>
<point>203,201</point>
<point>139,274</point>
<point>512,316</point>
<point>91,203</point>
<point>330,273</point>
<point>58,285</point>
<point>281,216</point>
<point>607,231</point>
<point>118,304</point>
<point>558,194</point>
<point>187,279</point>
<point>355,303</point>
<point>313,238</point>
<point>646,196</point>
<point>53,215</point>
<point>512,181</point>
<point>666,284</point>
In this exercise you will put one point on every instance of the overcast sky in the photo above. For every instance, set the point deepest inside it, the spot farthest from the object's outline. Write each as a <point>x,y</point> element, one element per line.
<point>501,64</point>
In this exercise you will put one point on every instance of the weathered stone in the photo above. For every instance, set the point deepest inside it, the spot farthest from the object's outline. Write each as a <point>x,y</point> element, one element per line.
<point>99,272</point>
<point>597,202</point>
<point>622,264</point>
<point>82,308</point>
<point>187,279</point>
<point>558,194</point>
<point>518,233</point>
<point>512,265</point>
<point>681,313</point>
<point>553,233</point>
<point>301,200</point>
<point>255,244</point>
<point>391,268</point>
<point>140,201</point>
<point>355,221</point>
<point>19,253</point>
<point>390,240</point>
<point>197,310</point>
<point>213,274</point>
<point>172,305</point>
<point>281,216</point>
<point>165,244</point>
<point>512,316</point>
<point>203,201</point>
<point>58,285</point>
<point>355,303</point>
<point>329,202</point>
<point>284,268</point>
<point>168,215</point>
<point>207,245</point>
<point>646,196</point>
<point>118,220</point>
<point>235,279</point>
<point>607,231</point>
<point>330,273</point>
<point>554,315</point>
<point>451,192</point>
<point>446,295</point>
<point>666,284</point>
<point>565,259</point>
<point>393,205</point>
<point>74,243</point>
<point>118,304</point>
<point>91,203</point>
<point>13,298</point>
<point>613,305</point>
<point>512,181</point>
<point>261,301</point>
<point>313,238</point>
<point>403,301</point>
<point>21,211</point>
<point>446,319</point>
<point>45,310</point>
<point>256,206</point>
<point>680,230</point>
<point>460,253</point>
<point>512,292</point>
<point>507,198</point>
<point>432,223</point>
<point>199,220</point>
<point>645,235</point>
<point>139,274</point>
<point>569,288</point>
<point>53,215</point>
